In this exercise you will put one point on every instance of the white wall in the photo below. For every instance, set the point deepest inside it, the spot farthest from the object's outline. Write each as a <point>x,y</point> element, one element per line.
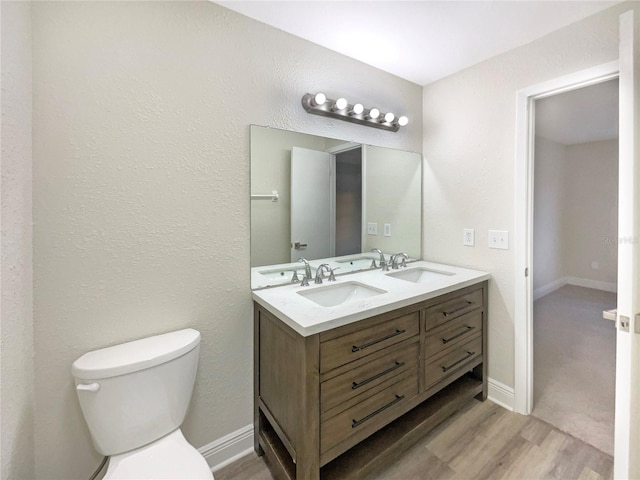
<point>469,145</point>
<point>548,213</point>
<point>575,215</point>
<point>393,174</point>
<point>141,190</point>
<point>16,335</point>
<point>591,211</point>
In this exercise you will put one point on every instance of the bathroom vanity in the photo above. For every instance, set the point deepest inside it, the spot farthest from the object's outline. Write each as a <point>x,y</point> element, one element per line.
<point>350,374</point>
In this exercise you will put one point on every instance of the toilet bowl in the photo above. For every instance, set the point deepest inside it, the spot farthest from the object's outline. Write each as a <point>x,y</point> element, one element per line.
<point>134,398</point>
<point>171,457</point>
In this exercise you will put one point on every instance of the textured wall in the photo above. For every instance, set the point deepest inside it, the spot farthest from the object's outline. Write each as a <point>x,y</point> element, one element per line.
<point>17,291</point>
<point>469,150</point>
<point>141,190</point>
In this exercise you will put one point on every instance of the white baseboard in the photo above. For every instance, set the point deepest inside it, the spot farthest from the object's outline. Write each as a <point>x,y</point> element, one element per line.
<point>229,448</point>
<point>595,284</point>
<point>578,282</point>
<point>500,394</point>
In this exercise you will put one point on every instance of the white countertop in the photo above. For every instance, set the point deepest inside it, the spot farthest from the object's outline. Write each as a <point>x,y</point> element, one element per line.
<point>308,318</point>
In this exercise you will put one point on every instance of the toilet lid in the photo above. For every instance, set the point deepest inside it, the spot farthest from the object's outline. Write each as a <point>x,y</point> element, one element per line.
<point>170,458</point>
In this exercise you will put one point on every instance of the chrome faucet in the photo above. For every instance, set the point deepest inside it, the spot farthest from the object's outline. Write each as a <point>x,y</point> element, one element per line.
<point>307,268</point>
<point>394,260</point>
<point>319,270</point>
<point>383,262</point>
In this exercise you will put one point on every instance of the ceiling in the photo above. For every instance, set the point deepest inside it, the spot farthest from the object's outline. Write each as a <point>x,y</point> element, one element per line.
<point>420,41</point>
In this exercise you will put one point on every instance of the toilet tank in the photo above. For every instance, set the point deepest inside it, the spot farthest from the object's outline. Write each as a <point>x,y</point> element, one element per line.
<point>134,393</point>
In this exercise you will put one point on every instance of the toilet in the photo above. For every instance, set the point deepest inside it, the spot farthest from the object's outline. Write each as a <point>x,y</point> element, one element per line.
<point>134,398</point>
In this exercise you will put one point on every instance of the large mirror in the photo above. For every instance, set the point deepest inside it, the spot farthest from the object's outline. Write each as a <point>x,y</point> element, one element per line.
<point>329,201</point>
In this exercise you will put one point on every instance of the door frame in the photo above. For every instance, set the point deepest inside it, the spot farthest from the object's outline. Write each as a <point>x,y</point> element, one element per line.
<point>523,224</point>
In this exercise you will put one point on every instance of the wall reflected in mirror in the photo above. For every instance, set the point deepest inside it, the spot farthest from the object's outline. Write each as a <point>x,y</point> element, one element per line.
<point>329,201</point>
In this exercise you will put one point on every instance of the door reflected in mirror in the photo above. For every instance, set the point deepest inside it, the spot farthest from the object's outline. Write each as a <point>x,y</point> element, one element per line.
<point>330,201</point>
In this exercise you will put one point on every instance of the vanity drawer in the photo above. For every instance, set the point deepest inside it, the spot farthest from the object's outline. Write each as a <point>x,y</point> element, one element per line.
<point>369,415</point>
<point>449,309</point>
<point>457,358</point>
<point>347,348</point>
<point>370,376</point>
<point>458,330</point>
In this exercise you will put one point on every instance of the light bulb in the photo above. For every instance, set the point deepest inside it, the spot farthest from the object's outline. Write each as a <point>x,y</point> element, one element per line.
<point>357,109</point>
<point>340,104</point>
<point>389,117</point>
<point>319,99</point>
<point>374,113</point>
<point>402,121</point>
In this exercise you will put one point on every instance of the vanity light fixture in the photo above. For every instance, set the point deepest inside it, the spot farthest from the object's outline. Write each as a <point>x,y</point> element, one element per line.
<point>340,104</point>
<point>319,104</point>
<point>319,99</point>
<point>357,109</point>
<point>373,114</point>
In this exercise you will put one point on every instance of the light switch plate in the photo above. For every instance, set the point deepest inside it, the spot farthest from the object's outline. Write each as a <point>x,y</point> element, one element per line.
<point>387,229</point>
<point>468,237</point>
<point>499,239</point>
<point>372,228</point>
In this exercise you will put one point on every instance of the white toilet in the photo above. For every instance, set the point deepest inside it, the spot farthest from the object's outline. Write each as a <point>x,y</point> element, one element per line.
<point>134,397</point>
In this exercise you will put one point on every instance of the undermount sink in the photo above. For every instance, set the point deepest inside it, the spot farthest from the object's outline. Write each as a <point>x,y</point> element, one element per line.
<point>282,274</point>
<point>419,275</point>
<point>340,293</point>
<point>358,263</point>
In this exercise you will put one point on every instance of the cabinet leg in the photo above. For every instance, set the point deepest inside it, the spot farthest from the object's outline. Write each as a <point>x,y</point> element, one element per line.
<point>258,449</point>
<point>480,373</point>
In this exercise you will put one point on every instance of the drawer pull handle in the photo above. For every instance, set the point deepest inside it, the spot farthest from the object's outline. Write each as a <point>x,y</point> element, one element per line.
<point>397,365</point>
<point>356,423</point>
<point>469,354</point>
<point>357,348</point>
<point>467,328</point>
<point>446,313</point>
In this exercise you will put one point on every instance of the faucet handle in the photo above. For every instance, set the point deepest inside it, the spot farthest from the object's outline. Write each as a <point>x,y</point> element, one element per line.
<point>373,263</point>
<point>332,276</point>
<point>294,277</point>
<point>395,263</point>
<point>304,282</point>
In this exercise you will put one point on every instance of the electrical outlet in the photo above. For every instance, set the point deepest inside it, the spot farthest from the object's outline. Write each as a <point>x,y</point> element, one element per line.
<point>387,229</point>
<point>499,239</point>
<point>372,228</point>
<point>468,237</point>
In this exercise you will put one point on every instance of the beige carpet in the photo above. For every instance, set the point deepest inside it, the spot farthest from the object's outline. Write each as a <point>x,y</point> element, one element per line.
<point>574,364</point>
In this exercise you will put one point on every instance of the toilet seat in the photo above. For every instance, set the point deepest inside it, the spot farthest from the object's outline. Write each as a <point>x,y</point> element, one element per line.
<point>169,458</point>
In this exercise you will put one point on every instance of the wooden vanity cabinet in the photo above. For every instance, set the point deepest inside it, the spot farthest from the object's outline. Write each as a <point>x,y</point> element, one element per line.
<point>339,392</point>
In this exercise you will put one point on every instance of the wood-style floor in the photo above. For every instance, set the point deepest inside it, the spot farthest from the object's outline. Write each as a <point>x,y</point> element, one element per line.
<point>483,441</point>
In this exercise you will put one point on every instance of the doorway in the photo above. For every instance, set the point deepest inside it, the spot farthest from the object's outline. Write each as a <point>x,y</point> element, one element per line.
<point>523,232</point>
<point>574,268</point>
<point>349,201</point>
